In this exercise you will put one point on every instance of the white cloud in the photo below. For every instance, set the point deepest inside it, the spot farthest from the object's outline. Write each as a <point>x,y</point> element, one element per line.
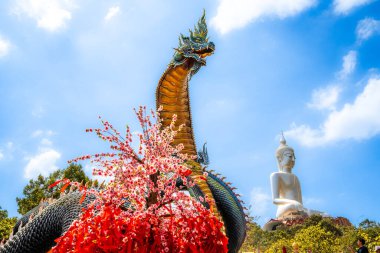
<point>349,64</point>
<point>305,135</point>
<point>358,120</point>
<point>233,14</point>
<point>325,98</point>
<point>9,145</point>
<point>366,28</point>
<point>42,163</point>
<point>261,203</point>
<point>50,15</point>
<point>46,142</point>
<point>112,12</point>
<point>345,6</point>
<point>6,151</point>
<point>5,46</point>
<point>39,133</point>
<point>38,111</point>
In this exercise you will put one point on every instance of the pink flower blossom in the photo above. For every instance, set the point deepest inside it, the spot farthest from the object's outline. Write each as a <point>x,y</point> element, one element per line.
<point>140,209</point>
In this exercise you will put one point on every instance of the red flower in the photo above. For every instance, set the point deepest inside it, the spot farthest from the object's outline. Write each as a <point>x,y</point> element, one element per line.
<point>150,222</point>
<point>185,173</point>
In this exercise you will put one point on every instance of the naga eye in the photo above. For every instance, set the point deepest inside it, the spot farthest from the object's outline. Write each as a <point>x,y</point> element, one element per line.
<point>178,57</point>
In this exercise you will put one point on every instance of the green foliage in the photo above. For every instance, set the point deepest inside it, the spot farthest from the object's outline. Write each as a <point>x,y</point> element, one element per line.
<point>317,238</point>
<point>37,189</point>
<point>3,214</point>
<point>348,239</point>
<point>276,247</point>
<point>254,236</point>
<point>368,224</point>
<point>6,224</point>
<point>370,231</point>
<point>316,233</point>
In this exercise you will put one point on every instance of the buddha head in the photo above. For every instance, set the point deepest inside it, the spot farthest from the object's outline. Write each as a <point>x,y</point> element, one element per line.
<point>285,156</point>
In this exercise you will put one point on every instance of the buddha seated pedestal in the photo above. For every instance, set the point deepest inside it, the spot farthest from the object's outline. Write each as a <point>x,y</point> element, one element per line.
<point>286,189</point>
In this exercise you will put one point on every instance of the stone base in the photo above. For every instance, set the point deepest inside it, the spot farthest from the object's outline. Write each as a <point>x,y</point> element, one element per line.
<point>272,224</point>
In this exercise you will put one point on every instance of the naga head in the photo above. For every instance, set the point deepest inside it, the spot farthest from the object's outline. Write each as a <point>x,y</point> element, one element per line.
<point>196,46</point>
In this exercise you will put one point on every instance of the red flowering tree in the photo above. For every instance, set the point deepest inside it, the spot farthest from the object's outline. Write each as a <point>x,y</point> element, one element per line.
<point>141,209</point>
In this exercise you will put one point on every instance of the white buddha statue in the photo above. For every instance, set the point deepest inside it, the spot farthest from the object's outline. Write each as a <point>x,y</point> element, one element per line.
<point>286,188</point>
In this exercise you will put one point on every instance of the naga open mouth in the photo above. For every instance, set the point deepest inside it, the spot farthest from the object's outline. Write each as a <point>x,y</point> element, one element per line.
<point>204,52</point>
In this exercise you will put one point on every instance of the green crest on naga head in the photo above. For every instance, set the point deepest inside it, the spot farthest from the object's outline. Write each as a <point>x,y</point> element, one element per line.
<point>195,47</point>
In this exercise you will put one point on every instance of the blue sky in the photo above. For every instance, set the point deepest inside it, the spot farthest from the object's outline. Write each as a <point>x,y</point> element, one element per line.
<point>309,68</point>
